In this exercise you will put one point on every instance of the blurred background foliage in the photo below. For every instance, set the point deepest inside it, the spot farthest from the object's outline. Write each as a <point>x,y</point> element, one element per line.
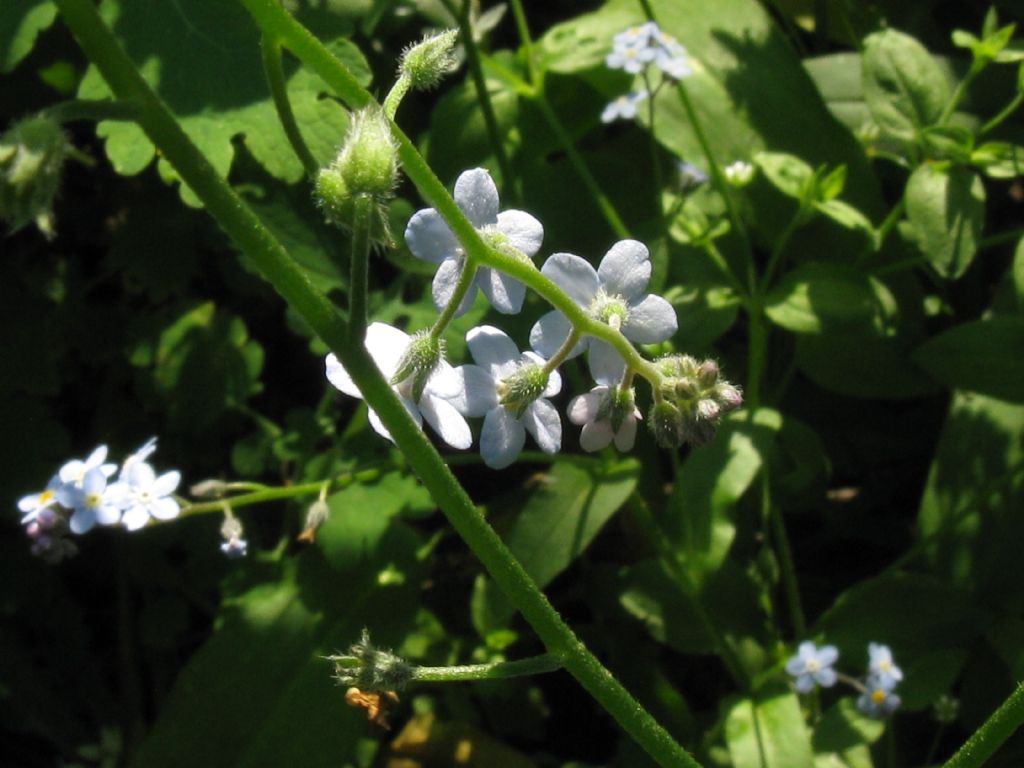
<point>889,433</point>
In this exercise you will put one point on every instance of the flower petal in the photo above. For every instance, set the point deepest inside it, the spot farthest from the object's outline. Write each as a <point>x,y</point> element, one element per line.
<point>167,483</point>
<point>338,376</point>
<point>444,381</point>
<point>606,366</point>
<point>505,293</point>
<point>477,196</point>
<point>828,655</point>
<point>501,439</point>
<point>625,438</point>
<point>386,345</point>
<point>595,435</point>
<point>493,349</point>
<point>430,238</point>
<point>135,518</point>
<point>378,425</point>
<point>83,520</point>
<point>522,230</point>
<point>549,334</point>
<point>108,514</point>
<point>583,408</point>
<point>543,422</point>
<point>479,392</point>
<point>164,509</point>
<point>626,269</point>
<point>650,321</point>
<point>141,475</point>
<point>573,275</point>
<point>446,421</point>
<point>445,281</point>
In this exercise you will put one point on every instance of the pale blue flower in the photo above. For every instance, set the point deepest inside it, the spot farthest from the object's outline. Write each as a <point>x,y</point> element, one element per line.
<point>631,56</point>
<point>430,238</point>
<point>594,411</point>
<point>690,175</point>
<point>623,108</point>
<point>235,547</point>
<point>74,472</point>
<point>499,364</point>
<point>613,293</point>
<point>878,701</point>
<point>386,346</point>
<point>91,502</point>
<point>32,505</point>
<point>881,667</point>
<point>144,495</point>
<point>813,666</point>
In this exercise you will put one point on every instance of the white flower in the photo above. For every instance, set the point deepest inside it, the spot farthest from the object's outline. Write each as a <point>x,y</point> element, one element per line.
<point>430,238</point>
<point>630,56</point>
<point>144,452</point>
<point>143,495</point>
<point>92,501</point>
<point>500,368</point>
<point>594,411</point>
<point>881,667</point>
<point>33,504</point>
<point>739,173</point>
<point>386,346</point>
<point>670,56</point>
<point>235,547</point>
<point>74,472</point>
<point>624,107</point>
<point>613,293</point>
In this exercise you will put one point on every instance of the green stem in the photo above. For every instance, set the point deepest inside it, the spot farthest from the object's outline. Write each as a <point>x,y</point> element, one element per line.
<point>483,96</point>
<point>780,246</point>
<point>988,738</point>
<point>535,665</point>
<point>466,278</point>
<point>720,261</point>
<point>395,96</point>
<point>958,94</point>
<point>887,225</point>
<point>536,74</point>
<point>359,268</point>
<point>756,354</point>
<point>1008,110</point>
<point>273,70</point>
<point>267,255</point>
<point>785,555</point>
<point>84,109</point>
<point>563,351</point>
<point>1002,237</point>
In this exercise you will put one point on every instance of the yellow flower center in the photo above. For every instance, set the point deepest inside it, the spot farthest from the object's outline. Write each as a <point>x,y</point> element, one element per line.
<point>878,695</point>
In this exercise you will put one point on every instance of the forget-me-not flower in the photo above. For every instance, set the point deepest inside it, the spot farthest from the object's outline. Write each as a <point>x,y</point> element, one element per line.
<point>596,411</point>
<point>144,495</point>
<point>387,346</point>
<point>92,502</point>
<point>615,294</point>
<point>508,389</point>
<point>34,504</point>
<point>881,667</point>
<point>877,701</point>
<point>813,666</point>
<point>624,107</point>
<point>74,471</point>
<point>430,238</point>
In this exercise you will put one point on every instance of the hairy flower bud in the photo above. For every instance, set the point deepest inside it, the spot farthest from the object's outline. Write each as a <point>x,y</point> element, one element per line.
<point>520,389</point>
<point>32,155</point>
<point>421,357</point>
<point>428,61</point>
<point>666,423</point>
<point>369,668</point>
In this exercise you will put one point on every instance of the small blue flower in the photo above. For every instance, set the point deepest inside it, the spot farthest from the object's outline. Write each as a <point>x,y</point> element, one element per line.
<point>878,701</point>
<point>690,176</point>
<point>624,107</point>
<point>813,665</point>
<point>881,667</point>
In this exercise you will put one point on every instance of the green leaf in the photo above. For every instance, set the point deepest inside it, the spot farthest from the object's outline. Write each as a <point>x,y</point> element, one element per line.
<point>218,91</point>
<point>710,482</point>
<point>947,211</point>
<point>845,215</point>
<point>570,505</point>
<point>20,22</point>
<point>787,173</point>
<point>983,356</point>
<point>818,297</point>
<point>768,731</point>
<point>239,698</point>
<point>1017,272</point>
<point>844,727</point>
<point>999,159</point>
<point>903,86</point>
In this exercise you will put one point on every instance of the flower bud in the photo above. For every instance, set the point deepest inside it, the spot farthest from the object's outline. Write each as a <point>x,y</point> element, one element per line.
<point>524,386</point>
<point>617,407</point>
<point>32,155</point>
<point>316,516</point>
<point>428,61</point>
<point>369,668</point>
<point>740,173</point>
<point>421,357</point>
<point>666,423</point>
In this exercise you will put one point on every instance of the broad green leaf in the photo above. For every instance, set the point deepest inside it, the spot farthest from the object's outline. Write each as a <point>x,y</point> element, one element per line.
<point>969,521</point>
<point>947,211</point>
<point>20,22</point>
<point>861,364</point>
<point>568,508</point>
<point>844,727</point>
<point>261,679</point>
<point>818,297</point>
<point>768,731</point>
<point>845,215</point>
<point>699,515</point>
<point>787,173</point>
<point>999,159</point>
<point>218,91</point>
<point>903,86</point>
<point>984,356</point>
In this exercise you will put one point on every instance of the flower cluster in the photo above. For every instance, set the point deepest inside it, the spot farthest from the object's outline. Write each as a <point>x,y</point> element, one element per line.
<point>91,491</point>
<point>638,50</point>
<point>510,389</point>
<point>813,666</point>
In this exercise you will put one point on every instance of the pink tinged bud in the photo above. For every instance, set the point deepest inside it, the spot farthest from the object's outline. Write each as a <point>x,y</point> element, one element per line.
<point>729,397</point>
<point>708,409</point>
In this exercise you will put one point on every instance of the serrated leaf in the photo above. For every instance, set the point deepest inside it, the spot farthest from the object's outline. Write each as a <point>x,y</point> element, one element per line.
<point>218,91</point>
<point>818,297</point>
<point>768,731</point>
<point>947,211</point>
<point>903,86</point>
<point>20,22</point>
<point>984,356</point>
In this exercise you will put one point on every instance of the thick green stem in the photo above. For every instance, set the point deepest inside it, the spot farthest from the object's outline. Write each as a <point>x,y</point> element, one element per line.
<point>359,268</point>
<point>267,254</point>
<point>81,109</point>
<point>466,277</point>
<point>535,665</point>
<point>563,351</point>
<point>273,70</point>
<point>1008,110</point>
<point>997,729</point>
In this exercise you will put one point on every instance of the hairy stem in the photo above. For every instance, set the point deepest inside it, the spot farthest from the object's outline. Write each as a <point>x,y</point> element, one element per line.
<point>990,736</point>
<point>500,670</point>
<point>273,70</point>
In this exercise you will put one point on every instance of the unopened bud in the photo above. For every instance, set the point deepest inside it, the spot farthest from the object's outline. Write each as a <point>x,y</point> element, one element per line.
<point>617,407</point>
<point>428,61</point>
<point>209,489</point>
<point>32,155</point>
<point>666,423</point>
<point>707,373</point>
<point>418,362</point>
<point>316,516</point>
<point>369,668</point>
<point>523,387</point>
